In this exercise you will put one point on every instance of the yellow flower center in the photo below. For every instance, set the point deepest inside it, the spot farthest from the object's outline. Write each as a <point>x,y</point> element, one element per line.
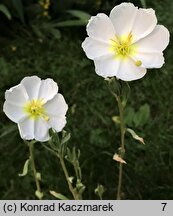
<point>35,109</point>
<point>123,47</point>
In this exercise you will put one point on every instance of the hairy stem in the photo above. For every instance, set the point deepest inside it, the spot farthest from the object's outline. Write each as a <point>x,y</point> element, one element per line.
<point>72,190</point>
<point>31,151</point>
<point>122,128</point>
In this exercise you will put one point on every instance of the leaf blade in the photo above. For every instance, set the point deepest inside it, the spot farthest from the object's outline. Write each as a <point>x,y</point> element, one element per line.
<point>5,11</point>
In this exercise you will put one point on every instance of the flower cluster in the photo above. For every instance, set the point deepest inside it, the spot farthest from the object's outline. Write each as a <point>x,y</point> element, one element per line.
<point>122,45</point>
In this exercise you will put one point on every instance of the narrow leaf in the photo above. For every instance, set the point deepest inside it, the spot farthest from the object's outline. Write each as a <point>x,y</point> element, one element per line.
<point>142,116</point>
<point>129,115</point>
<point>25,168</point>
<point>55,32</point>
<point>5,11</point>
<point>135,136</point>
<point>69,23</point>
<point>80,14</point>
<point>58,195</point>
<point>99,191</point>
<point>37,31</point>
<point>65,138</point>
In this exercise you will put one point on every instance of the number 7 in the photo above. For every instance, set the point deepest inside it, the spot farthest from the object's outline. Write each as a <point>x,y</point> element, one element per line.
<point>164,205</point>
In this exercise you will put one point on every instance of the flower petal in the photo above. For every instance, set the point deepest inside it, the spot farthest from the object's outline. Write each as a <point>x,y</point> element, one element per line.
<point>94,48</point>
<point>57,106</point>
<point>32,85</point>
<point>16,97</point>
<point>14,112</point>
<point>57,123</point>
<point>156,41</point>
<point>128,71</point>
<point>144,23</point>
<point>122,17</point>
<point>151,60</point>
<point>48,89</point>
<point>26,129</point>
<point>100,28</point>
<point>41,131</point>
<point>107,66</point>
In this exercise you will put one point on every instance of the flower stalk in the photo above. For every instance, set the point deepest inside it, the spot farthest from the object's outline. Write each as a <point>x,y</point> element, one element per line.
<point>38,192</point>
<point>58,146</point>
<point>120,90</point>
<point>72,190</point>
<point>122,145</point>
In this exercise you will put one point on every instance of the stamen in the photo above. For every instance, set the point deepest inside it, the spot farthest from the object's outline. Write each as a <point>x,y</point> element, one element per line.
<point>122,46</point>
<point>35,109</point>
<point>138,63</point>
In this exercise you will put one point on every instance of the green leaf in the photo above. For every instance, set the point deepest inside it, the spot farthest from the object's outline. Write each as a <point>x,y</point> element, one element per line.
<point>37,32</point>
<point>54,141</point>
<point>65,137</point>
<point>25,168</point>
<point>80,186</point>
<point>69,23</point>
<point>58,195</point>
<point>69,155</point>
<point>129,114</point>
<point>18,5</point>
<point>50,28</point>
<point>99,191</point>
<point>55,32</point>
<point>5,11</point>
<point>72,155</point>
<point>114,85</point>
<point>80,14</point>
<point>142,116</point>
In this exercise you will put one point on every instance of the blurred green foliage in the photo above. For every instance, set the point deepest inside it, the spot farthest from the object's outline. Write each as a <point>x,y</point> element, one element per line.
<point>5,11</point>
<point>26,51</point>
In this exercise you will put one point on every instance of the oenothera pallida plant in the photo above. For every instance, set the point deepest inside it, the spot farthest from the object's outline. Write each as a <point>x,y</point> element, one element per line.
<point>40,112</point>
<point>123,45</point>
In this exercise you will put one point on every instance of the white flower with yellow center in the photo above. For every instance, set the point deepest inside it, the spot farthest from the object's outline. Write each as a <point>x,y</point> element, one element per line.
<point>125,43</point>
<point>36,106</point>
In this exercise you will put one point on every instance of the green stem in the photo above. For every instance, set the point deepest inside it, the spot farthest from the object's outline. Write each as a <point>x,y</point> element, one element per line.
<point>31,151</point>
<point>72,190</point>
<point>122,149</point>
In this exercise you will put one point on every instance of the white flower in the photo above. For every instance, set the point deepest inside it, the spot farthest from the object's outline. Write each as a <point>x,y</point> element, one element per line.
<point>125,43</point>
<point>36,106</point>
